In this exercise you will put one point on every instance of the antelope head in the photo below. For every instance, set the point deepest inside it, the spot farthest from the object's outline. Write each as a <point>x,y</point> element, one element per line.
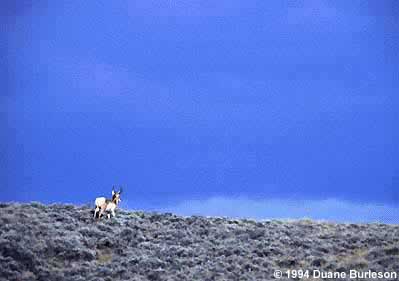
<point>116,195</point>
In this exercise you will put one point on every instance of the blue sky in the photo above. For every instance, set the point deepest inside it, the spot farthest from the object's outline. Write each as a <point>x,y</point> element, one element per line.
<point>185,103</point>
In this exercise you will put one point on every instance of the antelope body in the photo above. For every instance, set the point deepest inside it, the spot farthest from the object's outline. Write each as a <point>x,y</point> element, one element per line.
<point>103,204</point>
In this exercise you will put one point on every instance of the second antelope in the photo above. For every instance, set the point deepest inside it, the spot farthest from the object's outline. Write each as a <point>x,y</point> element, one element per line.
<point>103,204</point>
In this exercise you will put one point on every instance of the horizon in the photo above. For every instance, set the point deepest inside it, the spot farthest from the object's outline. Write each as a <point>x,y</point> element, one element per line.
<point>329,210</point>
<point>204,108</point>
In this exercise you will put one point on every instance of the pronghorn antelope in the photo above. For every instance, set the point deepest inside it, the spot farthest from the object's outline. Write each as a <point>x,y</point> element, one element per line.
<point>103,204</point>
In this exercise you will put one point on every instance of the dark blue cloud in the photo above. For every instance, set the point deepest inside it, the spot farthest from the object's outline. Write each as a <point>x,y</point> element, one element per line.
<point>179,101</point>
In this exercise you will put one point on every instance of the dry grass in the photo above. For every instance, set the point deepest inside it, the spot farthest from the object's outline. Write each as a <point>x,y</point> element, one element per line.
<point>103,256</point>
<point>63,242</point>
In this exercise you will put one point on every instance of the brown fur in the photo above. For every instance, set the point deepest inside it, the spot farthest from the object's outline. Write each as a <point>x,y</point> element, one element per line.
<point>107,204</point>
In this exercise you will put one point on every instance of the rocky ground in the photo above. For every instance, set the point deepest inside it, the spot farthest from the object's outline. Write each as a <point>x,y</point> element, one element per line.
<point>64,242</point>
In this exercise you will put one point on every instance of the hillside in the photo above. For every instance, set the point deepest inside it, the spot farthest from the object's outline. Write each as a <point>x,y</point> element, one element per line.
<point>64,242</point>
